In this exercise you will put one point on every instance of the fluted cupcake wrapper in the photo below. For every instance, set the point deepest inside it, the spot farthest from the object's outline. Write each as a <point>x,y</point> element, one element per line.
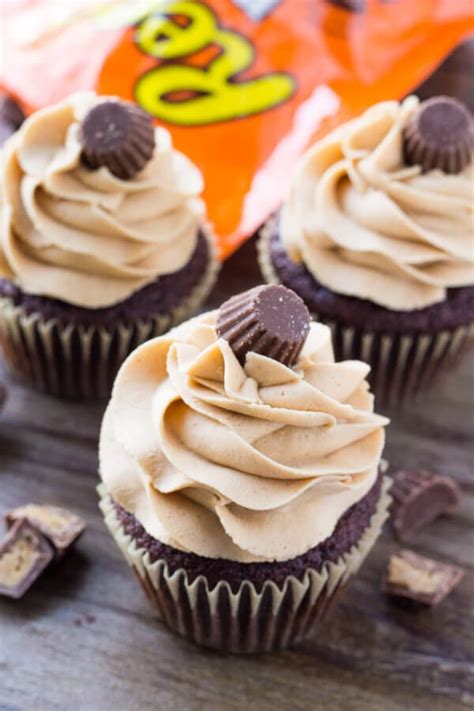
<point>81,362</point>
<point>403,366</point>
<point>245,621</point>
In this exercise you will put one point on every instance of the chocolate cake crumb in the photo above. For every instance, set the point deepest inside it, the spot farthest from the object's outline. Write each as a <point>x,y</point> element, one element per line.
<point>347,533</point>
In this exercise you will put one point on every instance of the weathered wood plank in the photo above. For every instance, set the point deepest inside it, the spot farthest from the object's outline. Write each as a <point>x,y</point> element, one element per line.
<point>84,639</point>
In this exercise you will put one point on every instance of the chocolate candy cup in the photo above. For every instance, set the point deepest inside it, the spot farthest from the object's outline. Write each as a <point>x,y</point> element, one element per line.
<point>440,135</point>
<point>59,526</point>
<point>270,320</point>
<point>420,579</point>
<point>24,554</point>
<point>117,135</point>
<point>419,497</point>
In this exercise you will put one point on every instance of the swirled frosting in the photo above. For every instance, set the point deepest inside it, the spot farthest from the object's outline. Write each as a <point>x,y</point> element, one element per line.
<point>368,226</point>
<point>85,236</point>
<point>253,463</point>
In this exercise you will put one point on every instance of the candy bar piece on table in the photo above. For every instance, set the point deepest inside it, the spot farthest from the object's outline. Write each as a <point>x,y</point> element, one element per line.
<point>419,497</point>
<point>421,579</point>
<point>24,554</point>
<point>60,526</point>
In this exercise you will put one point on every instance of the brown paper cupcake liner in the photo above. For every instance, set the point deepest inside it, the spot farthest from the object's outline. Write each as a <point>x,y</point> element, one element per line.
<point>402,365</point>
<point>245,621</point>
<point>81,362</point>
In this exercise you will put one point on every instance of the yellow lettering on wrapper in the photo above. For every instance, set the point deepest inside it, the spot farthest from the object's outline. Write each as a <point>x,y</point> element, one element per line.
<point>211,94</point>
<point>162,38</point>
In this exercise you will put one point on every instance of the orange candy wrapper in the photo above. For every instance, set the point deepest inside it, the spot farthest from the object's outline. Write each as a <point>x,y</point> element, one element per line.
<point>243,85</point>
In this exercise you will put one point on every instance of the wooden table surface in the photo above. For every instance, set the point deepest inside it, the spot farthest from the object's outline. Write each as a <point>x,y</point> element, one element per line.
<point>85,639</point>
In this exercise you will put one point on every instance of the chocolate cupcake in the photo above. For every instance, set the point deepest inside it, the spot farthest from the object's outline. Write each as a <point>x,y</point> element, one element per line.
<point>376,237</point>
<point>240,469</point>
<point>103,242</point>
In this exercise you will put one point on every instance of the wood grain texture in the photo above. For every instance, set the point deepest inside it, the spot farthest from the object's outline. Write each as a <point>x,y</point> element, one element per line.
<point>84,638</point>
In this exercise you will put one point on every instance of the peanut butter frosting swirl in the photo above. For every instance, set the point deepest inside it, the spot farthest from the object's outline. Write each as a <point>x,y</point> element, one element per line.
<point>85,236</point>
<point>368,226</point>
<point>248,463</point>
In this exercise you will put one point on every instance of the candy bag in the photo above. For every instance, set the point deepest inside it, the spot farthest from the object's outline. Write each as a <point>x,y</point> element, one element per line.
<point>243,85</point>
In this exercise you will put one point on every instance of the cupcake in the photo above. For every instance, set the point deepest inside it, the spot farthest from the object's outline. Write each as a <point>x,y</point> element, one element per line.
<point>376,237</point>
<point>103,242</point>
<point>240,469</point>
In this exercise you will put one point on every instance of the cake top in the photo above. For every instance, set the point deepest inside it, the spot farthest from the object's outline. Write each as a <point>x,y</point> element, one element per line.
<point>96,203</point>
<point>220,453</point>
<point>381,208</point>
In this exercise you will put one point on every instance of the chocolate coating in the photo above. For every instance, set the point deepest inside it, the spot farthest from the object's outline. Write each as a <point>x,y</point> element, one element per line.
<point>419,497</point>
<point>270,320</point>
<point>347,533</point>
<point>60,526</point>
<point>117,135</point>
<point>420,579</point>
<point>440,135</point>
<point>24,554</point>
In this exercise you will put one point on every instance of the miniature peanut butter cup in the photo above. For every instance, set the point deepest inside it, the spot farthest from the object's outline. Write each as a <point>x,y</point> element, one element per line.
<point>117,135</point>
<point>419,497</point>
<point>24,554</point>
<point>60,526</point>
<point>423,580</point>
<point>440,135</point>
<point>270,320</point>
